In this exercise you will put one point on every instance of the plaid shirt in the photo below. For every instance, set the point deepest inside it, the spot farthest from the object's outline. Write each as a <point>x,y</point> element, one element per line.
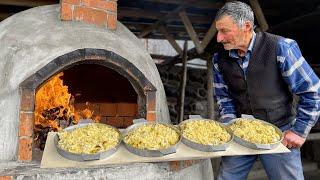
<point>296,72</point>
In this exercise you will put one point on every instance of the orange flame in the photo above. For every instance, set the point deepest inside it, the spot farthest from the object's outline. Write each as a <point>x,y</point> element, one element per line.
<point>53,94</point>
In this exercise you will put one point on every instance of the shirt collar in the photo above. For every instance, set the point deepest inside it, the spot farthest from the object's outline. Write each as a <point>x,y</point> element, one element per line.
<point>234,52</point>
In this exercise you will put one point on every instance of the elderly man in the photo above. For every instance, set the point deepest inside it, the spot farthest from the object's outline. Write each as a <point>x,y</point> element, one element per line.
<point>257,74</point>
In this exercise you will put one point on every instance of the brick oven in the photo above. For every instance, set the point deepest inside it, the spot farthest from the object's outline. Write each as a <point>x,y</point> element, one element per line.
<point>108,67</point>
<point>102,63</point>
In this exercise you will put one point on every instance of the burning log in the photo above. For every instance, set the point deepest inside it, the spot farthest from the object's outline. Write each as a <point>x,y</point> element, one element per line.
<point>41,136</point>
<point>56,118</point>
<point>60,115</point>
<point>54,110</point>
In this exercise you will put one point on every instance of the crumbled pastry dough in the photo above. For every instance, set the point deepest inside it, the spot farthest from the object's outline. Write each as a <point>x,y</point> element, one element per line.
<point>255,131</point>
<point>90,139</point>
<point>206,132</point>
<point>152,137</point>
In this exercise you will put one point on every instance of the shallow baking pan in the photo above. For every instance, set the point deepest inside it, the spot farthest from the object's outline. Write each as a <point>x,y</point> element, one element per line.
<point>147,152</point>
<point>202,147</point>
<point>85,157</point>
<point>251,145</point>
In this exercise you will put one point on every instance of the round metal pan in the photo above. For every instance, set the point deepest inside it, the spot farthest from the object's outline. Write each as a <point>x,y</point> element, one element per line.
<point>251,145</point>
<point>202,147</point>
<point>85,157</point>
<point>146,152</point>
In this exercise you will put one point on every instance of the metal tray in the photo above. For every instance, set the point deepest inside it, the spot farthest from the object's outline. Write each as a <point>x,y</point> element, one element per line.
<point>85,157</point>
<point>202,147</point>
<point>251,145</point>
<point>146,152</point>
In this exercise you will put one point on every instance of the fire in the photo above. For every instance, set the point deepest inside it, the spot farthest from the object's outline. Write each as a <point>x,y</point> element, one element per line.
<point>54,104</point>
<point>55,110</point>
<point>51,95</point>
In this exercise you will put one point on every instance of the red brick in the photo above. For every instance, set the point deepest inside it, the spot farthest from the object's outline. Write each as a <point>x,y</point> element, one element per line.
<point>108,109</point>
<point>112,21</point>
<point>103,120</point>
<point>26,124</point>
<point>187,163</point>
<point>6,177</point>
<point>175,165</point>
<point>101,4</point>
<point>95,107</point>
<point>66,12</point>
<point>90,15</point>
<point>127,109</point>
<point>80,106</point>
<point>27,100</point>
<point>115,121</point>
<point>74,2</point>
<point>151,116</point>
<point>25,149</point>
<point>151,101</point>
<point>128,121</point>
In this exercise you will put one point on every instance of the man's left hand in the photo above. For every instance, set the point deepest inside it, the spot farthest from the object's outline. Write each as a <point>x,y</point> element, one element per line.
<point>292,140</point>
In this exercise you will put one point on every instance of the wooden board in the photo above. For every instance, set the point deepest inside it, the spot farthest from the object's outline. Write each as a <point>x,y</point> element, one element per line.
<point>51,158</point>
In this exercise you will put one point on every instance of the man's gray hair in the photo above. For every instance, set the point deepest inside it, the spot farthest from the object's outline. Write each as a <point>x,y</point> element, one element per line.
<point>239,11</point>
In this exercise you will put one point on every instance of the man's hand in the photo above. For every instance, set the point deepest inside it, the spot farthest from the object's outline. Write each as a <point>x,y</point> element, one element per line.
<point>292,140</point>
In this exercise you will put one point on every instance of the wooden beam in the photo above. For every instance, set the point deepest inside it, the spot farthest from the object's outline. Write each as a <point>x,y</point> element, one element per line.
<point>28,3</point>
<point>139,13</point>
<point>205,4</point>
<point>142,13</point>
<point>259,15</point>
<point>210,105</point>
<point>160,36</point>
<point>207,38</point>
<point>171,28</point>
<point>193,35</point>
<point>171,40</point>
<point>162,57</point>
<point>209,35</point>
<point>160,22</point>
<point>198,65</point>
<point>191,54</point>
<point>183,82</point>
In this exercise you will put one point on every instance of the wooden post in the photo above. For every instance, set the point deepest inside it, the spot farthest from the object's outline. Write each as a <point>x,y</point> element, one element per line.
<point>210,108</point>
<point>209,35</point>
<point>200,46</point>
<point>192,33</point>
<point>171,40</point>
<point>259,14</point>
<point>183,82</point>
<point>210,105</point>
<point>148,30</point>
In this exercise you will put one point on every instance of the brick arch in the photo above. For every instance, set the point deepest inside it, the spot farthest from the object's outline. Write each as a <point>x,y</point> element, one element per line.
<point>143,87</point>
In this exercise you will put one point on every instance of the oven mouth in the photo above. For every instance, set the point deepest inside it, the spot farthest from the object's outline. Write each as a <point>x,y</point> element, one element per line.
<point>101,82</point>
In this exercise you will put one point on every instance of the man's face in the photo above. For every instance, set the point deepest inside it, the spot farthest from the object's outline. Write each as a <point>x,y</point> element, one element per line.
<point>229,33</point>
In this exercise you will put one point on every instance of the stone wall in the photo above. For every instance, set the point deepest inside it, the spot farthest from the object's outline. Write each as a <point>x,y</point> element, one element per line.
<point>195,93</point>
